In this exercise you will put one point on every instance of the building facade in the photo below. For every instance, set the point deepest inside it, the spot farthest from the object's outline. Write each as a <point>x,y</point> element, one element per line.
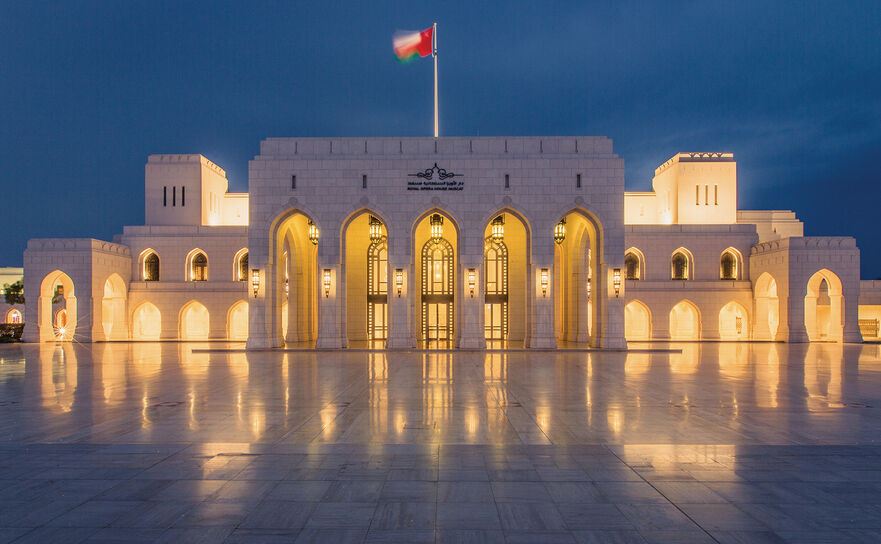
<point>449,242</point>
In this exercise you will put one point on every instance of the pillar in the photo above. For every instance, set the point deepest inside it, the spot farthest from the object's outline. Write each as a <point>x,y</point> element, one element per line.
<point>471,335</point>
<point>329,316</point>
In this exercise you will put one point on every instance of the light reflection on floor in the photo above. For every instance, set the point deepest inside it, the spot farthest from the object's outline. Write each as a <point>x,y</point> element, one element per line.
<point>716,393</point>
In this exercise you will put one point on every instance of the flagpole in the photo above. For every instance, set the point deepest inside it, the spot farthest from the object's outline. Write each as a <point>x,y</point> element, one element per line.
<point>434,54</point>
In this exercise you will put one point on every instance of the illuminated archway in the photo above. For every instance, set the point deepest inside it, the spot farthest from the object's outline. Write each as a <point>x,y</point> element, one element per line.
<point>365,270</point>
<point>577,259</point>
<point>13,316</point>
<point>824,307</point>
<point>194,321</point>
<point>294,254</point>
<point>237,321</point>
<point>149,265</point>
<point>634,264</point>
<point>436,239</point>
<point>767,304</point>
<point>637,321</point>
<point>146,322</point>
<point>730,264</point>
<point>113,310</point>
<point>240,265</point>
<point>733,322</point>
<point>197,265</point>
<point>57,294</point>
<point>685,322</point>
<point>506,259</point>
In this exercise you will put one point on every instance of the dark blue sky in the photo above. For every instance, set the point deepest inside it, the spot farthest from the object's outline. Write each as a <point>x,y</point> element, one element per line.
<point>88,90</point>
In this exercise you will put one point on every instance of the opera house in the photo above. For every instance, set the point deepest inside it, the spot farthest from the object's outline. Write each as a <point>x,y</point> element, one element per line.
<point>452,243</point>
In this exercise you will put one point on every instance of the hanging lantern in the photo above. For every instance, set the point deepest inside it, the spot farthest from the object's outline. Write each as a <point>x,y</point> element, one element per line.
<point>498,229</point>
<point>375,229</point>
<point>313,232</point>
<point>437,226</point>
<point>560,231</point>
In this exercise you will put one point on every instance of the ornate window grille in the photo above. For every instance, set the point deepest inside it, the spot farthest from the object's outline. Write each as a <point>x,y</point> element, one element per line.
<point>377,289</point>
<point>437,291</point>
<point>679,264</point>
<point>728,265</point>
<point>199,268</point>
<point>495,260</point>
<point>631,266</point>
<point>151,267</point>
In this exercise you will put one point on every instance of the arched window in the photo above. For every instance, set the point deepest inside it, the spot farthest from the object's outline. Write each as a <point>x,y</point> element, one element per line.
<point>495,264</point>
<point>242,266</point>
<point>437,290</point>
<point>377,289</point>
<point>728,266</point>
<point>679,264</point>
<point>631,266</point>
<point>13,316</point>
<point>150,271</point>
<point>199,267</point>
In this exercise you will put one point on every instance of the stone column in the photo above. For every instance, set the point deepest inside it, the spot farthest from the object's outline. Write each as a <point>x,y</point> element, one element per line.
<point>710,322</point>
<point>400,332</point>
<point>542,307</point>
<point>610,317</point>
<point>472,334</point>
<point>329,329</point>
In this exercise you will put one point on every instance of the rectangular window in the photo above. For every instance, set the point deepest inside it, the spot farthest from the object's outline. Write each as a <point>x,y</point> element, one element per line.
<point>183,196</point>
<point>697,195</point>
<point>578,181</point>
<point>174,196</point>
<point>165,196</point>
<point>507,181</point>
<point>293,182</point>
<point>716,194</point>
<point>706,195</point>
<point>364,181</point>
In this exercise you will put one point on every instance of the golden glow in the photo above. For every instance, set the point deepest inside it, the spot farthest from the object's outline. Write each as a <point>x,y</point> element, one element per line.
<point>375,229</point>
<point>615,420</point>
<point>498,228</point>
<point>326,281</point>
<point>616,280</point>
<point>560,231</point>
<point>255,281</point>
<point>544,280</point>
<point>437,226</point>
<point>472,280</point>
<point>399,280</point>
<point>313,232</point>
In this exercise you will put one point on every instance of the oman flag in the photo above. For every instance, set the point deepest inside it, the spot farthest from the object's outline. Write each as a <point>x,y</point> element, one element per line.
<point>408,45</point>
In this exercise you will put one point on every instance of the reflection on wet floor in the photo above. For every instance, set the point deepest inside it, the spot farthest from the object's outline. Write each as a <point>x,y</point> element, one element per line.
<point>717,393</point>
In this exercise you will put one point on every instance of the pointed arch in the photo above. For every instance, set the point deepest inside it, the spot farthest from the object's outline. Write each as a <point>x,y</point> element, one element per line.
<point>194,321</point>
<point>240,265</point>
<point>196,265</point>
<point>436,310</point>
<point>149,265</point>
<point>13,316</point>
<point>292,284</point>
<point>733,322</point>
<point>146,322</point>
<point>637,321</point>
<point>57,292</point>
<point>506,263</point>
<point>766,302</point>
<point>824,307</point>
<point>113,311</point>
<point>577,264</point>
<point>731,264</point>
<point>364,272</point>
<point>681,264</point>
<point>634,264</point>
<point>237,321</point>
<point>685,321</point>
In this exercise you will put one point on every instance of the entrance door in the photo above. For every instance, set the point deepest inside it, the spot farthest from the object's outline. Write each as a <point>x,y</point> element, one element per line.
<point>377,290</point>
<point>495,260</point>
<point>437,293</point>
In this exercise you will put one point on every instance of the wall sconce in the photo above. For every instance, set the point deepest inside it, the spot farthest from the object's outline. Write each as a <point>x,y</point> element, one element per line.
<point>255,281</point>
<point>399,280</point>
<point>437,226</point>
<point>588,287</point>
<point>544,282</point>
<point>472,280</point>
<point>560,231</point>
<point>313,232</point>
<point>326,281</point>
<point>497,230</point>
<point>616,281</point>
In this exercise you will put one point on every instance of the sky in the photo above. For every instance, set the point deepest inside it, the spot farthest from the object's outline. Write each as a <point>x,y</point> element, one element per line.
<point>89,89</point>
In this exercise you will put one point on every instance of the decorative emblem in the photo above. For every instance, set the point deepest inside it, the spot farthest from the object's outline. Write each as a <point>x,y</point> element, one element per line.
<point>428,173</point>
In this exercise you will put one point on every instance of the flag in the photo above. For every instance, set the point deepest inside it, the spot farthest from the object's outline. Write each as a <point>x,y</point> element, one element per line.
<point>408,44</point>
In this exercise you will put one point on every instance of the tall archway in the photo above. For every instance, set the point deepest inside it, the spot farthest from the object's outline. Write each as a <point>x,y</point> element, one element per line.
<point>113,310</point>
<point>637,321</point>
<point>365,267</point>
<point>195,322</point>
<point>824,307</point>
<point>767,304</point>
<point>733,322</point>
<point>146,322</point>
<point>237,321</point>
<point>436,239</point>
<point>685,322</point>
<point>577,260</point>
<point>294,259</point>
<point>57,294</point>
<point>506,259</point>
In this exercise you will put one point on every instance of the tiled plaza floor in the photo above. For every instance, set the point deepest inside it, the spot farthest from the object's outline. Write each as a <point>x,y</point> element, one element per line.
<point>721,443</point>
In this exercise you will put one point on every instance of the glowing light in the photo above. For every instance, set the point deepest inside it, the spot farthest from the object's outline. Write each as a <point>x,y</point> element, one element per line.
<point>313,232</point>
<point>545,279</point>
<point>399,280</point>
<point>437,226</point>
<point>472,280</point>
<point>560,231</point>
<point>616,280</point>
<point>326,281</point>
<point>375,229</point>
<point>498,228</point>
<point>255,281</point>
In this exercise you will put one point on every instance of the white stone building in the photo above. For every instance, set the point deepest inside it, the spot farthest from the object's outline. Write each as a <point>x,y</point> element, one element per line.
<point>450,242</point>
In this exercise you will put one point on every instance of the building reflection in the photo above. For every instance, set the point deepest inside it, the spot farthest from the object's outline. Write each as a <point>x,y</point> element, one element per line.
<point>767,377</point>
<point>437,390</point>
<point>823,368</point>
<point>688,361</point>
<point>58,375</point>
<point>377,393</point>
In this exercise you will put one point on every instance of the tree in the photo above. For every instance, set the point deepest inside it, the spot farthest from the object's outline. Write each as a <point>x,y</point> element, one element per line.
<point>14,293</point>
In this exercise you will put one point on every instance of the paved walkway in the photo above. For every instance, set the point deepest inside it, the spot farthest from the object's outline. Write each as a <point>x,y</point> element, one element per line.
<point>719,443</point>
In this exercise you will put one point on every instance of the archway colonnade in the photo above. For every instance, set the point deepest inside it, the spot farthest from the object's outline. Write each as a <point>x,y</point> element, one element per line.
<point>434,284</point>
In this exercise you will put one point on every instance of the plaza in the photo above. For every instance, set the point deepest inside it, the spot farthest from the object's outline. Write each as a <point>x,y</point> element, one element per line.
<point>205,442</point>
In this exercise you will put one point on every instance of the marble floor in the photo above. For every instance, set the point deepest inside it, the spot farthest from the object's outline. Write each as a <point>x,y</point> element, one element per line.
<point>721,442</point>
